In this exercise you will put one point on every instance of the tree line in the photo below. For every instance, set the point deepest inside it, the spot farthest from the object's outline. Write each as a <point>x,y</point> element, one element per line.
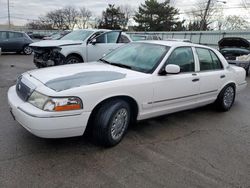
<point>149,16</point>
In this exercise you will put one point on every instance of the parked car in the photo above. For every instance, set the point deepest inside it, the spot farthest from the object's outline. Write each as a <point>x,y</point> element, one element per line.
<point>13,41</point>
<point>57,35</point>
<point>78,46</point>
<point>137,81</point>
<point>140,37</point>
<point>233,47</point>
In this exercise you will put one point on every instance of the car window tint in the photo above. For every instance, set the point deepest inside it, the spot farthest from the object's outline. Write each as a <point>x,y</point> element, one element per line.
<point>123,39</point>
<point>216,61</point>
<point>110,37</point>
<point>3,35</point>
<point>183,57</point>
<point>15,35</point>
<point>207,62</point>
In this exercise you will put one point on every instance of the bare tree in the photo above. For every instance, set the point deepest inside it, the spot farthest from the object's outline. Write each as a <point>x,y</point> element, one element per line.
<point>55,18</point>
<point>204,13</point>
<point>83,18</point>
<point>128,12</point>
<point>235,23</point>
<point>70,17</point>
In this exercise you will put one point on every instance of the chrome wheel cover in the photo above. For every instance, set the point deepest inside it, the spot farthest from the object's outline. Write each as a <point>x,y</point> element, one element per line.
<point>119,123</point>
<point>228,97</point>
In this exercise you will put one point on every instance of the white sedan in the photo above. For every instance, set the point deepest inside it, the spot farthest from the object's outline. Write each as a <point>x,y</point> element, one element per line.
<point>81,45</point>
<point>140,80</point>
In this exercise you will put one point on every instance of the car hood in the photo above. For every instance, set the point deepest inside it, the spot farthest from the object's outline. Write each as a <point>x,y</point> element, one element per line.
<point>76,75</point>
<point>56,43</point>
<point>234,42</point>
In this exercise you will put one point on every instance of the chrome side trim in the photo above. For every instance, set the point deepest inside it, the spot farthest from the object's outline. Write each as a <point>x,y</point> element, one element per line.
<point>165,100</point>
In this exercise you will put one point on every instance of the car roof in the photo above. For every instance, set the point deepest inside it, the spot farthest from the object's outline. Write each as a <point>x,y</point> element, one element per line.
<point>11,31</point>
<point>173,43</point>
<point>93,30</point>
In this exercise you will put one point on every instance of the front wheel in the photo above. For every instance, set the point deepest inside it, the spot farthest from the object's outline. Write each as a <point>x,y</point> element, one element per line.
<point>111,122</point>
<point>72,59</point>
<point>27,50</point>
<point>226,98</point>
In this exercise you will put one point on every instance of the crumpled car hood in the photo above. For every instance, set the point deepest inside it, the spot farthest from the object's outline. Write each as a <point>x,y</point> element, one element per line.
<point>65,77</point>
<point>55,43</point>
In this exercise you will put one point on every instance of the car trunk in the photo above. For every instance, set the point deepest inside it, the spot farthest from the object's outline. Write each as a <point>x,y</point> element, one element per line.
<point>234,42</point>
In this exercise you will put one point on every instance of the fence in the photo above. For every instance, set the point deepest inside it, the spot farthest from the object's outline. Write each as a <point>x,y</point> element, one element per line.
<point>209,38</point>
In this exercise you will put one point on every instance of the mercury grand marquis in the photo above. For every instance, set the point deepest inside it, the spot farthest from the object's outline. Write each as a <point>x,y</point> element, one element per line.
<point>137,81</point>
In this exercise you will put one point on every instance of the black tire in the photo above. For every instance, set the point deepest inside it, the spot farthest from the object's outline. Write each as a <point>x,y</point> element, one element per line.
<point>226,98</point>
<point>72,59</point>
<point>27,50</point>
<point>111,122</point>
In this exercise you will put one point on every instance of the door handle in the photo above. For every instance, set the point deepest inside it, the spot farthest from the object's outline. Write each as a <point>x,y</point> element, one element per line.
<point>223,76</point>
<point>195,80</point>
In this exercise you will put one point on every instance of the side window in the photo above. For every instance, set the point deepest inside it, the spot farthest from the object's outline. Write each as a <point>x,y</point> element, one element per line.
<point>216,61</point>
<point>123,39</point>
<point>3,35</point>
<point>208,60</point>
<point>13,35</point>
<point>183,57</point>
<point>110,37</point>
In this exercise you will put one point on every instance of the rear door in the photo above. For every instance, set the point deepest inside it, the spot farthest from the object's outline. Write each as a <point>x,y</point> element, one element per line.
<point>15,41</point>
<point>105,43</point>
<point>212,74</point>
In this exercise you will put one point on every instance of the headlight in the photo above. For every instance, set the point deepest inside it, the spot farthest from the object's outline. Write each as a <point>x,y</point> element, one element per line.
<point>55,104</point>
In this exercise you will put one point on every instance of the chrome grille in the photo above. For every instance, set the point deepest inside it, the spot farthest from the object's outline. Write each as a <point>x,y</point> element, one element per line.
<point>23,89</point>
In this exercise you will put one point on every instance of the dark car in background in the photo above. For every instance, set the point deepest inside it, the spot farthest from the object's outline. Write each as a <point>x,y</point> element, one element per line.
<point>234,47</point>
<point>13,41</point>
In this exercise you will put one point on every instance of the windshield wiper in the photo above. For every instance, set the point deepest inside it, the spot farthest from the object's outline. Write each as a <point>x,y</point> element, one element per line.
<point>104,61</point>
<point>121,65</point>
<point>116,64</point>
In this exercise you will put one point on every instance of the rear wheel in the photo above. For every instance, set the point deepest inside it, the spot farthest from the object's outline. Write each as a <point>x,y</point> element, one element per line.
<point>27,50</point>
<point>111,122</point>
<point>226,98</point>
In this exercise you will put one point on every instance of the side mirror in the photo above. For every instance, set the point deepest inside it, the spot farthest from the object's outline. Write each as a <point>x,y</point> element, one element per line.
<point>172,69</point>
<point>93,41</point>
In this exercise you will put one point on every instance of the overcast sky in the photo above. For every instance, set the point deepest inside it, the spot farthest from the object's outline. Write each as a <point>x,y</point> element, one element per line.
<point>22,10</point>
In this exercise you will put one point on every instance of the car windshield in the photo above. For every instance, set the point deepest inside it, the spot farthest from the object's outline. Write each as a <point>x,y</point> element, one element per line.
<point>77,35</point>
<point>142,57</point>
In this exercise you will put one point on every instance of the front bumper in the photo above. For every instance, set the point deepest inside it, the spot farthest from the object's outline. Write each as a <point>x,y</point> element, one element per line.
<point>47,124</point>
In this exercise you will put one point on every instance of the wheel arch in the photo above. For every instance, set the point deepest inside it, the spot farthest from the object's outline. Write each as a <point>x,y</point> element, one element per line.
<point>134,107</point>
<point>75,54</point>
<point>226,84</point>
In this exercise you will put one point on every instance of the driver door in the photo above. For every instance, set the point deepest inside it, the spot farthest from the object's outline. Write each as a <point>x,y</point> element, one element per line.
<point>173,92</point>
<point>103,44</point>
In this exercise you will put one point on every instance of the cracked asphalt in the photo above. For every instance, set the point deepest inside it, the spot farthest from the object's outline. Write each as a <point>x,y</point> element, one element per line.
<point>194,148</point>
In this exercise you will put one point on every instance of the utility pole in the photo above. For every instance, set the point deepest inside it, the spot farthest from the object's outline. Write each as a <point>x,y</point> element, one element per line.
<point>8,12</point>
<point>205,15</point>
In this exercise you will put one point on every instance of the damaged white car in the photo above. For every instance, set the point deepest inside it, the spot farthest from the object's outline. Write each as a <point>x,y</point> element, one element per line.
<point>82,45</point>
<point>137,81</point>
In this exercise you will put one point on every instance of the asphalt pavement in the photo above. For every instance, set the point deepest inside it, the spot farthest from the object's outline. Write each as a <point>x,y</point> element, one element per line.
<point>194,148</point>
